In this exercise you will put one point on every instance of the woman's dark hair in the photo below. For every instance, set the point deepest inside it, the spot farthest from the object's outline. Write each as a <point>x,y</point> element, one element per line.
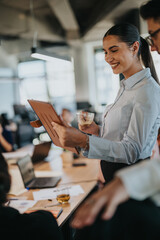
<point>4,120</point>
<point>129,34</point>
<point>5,180</point>
<point>151,9</point>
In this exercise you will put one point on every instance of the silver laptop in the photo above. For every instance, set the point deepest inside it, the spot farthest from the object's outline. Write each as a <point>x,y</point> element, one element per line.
<point>30,180</point>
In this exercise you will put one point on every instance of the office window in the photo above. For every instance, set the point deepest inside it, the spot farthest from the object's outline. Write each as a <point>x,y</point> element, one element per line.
<point>31,69</point>
<point>107,82</point>
<point>48,81</point>
<point>33,88</point>
<point>61,84</point>
<point>33,81</point>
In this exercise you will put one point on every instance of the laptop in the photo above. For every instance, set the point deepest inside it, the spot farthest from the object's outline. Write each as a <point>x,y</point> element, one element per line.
<point>40,152</point>
<point>28,175</point>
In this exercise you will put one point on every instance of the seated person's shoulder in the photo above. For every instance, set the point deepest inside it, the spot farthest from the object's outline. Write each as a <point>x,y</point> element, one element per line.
<point>42,225</point>
<point>36,225</point>
<point>40,216</point>
<point>8,213</point>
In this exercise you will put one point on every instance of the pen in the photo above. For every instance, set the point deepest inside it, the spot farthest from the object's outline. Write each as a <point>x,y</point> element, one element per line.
<point>13,199</point>
<point>61,210</point>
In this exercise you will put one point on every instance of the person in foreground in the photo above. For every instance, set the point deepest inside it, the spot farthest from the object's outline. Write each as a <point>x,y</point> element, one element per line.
<point>130,125</point>
<point>129,206</point>
<point>36,225</point>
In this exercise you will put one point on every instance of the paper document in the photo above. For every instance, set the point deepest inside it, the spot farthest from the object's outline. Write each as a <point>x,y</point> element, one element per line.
<point>56,211</point>
<point>17,186</point>
<point>52,192</point>
<point>22,205</point>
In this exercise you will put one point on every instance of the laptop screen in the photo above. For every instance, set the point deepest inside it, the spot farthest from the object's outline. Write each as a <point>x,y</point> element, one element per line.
<point>41,151</point>
<point>26,168</point>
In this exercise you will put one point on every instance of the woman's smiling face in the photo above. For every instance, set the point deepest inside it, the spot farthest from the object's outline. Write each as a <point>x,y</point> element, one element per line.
<point>118,54</point>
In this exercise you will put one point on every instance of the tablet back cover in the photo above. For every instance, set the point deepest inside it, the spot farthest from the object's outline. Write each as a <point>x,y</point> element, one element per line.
<point>46,115</point>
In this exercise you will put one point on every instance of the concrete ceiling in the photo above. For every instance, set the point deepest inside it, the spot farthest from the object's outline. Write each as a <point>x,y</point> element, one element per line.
<point>59,22</point>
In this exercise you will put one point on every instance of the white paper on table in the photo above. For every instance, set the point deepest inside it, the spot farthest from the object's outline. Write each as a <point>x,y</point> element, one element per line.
<point>48,173</point>
<point>15,155</point>
<point>17,186</point>
<point>75,190</point>
<point>22,205</point>
<point>52,192</point>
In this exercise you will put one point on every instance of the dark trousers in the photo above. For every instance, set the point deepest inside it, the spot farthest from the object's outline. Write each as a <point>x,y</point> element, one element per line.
<point>133,220</point>
<point>109,168</point>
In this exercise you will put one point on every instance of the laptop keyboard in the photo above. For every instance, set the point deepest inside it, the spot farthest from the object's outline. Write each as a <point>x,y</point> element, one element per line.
<point>44,182</point>
<point>41,181</point>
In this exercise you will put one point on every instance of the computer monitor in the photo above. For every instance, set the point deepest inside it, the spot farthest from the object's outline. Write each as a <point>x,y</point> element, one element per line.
<point>83,105</point>
<point>20,110</point>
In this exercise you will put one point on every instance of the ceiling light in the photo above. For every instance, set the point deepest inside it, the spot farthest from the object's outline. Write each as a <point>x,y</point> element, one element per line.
<point>45,55</point>
<point>41,53</point>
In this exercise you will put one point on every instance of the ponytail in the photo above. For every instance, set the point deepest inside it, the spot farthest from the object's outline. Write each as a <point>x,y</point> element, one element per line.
<point>147,58</point>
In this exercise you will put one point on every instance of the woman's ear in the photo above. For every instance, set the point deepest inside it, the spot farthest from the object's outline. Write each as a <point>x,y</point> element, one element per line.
<point>135,47</point>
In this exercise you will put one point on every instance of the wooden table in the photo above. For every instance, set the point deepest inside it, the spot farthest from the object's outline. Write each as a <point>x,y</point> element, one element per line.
<point>85,176</point>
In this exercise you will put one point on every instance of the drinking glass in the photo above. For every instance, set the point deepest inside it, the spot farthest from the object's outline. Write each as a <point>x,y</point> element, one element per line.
<point>85,118</point>
<point>63,195</point>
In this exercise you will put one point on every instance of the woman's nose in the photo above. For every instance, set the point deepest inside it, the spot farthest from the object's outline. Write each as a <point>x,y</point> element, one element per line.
<point>108,58</point>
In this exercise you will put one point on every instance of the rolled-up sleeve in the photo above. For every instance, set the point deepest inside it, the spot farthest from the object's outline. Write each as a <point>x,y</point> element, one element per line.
<point>141,180</point>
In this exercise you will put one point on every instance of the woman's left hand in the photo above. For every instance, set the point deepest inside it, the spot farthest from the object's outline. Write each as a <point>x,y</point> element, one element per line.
<point>69,136</point>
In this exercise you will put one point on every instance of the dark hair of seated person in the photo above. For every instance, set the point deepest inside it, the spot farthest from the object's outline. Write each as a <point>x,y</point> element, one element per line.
<point>36,225</point>
<point>5,180</point>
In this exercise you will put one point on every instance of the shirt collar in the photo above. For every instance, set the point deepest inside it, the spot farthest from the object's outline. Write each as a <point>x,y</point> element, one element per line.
<point>135,78</point>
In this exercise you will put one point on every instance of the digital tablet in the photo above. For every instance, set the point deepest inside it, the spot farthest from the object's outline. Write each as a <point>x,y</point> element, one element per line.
<point>46,115</point>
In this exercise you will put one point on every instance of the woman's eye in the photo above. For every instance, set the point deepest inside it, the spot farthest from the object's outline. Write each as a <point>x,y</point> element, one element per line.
<point>114,50</point>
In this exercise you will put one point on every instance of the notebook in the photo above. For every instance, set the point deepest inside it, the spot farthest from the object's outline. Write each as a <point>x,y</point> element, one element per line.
<point>28,175</point>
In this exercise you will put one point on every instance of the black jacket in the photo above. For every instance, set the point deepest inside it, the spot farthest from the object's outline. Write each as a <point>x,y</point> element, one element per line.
<point>38,225</point>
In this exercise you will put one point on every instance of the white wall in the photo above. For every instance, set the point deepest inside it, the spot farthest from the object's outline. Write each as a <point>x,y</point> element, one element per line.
<point>81,73</point>
<point>85,72</point>
<point>89,50</point>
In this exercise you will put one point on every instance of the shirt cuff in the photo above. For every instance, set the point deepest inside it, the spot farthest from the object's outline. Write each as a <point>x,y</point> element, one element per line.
<point>90,153</point>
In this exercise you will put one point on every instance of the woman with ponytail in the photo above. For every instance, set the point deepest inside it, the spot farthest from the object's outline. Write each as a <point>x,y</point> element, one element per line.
<point>128,208</point>
<point>130,125</point>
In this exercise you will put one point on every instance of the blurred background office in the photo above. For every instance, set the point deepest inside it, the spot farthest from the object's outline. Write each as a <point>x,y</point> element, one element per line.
<point>74,75</point>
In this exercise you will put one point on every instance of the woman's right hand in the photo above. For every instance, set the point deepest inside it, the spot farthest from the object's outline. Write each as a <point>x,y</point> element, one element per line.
<point>93,128</point>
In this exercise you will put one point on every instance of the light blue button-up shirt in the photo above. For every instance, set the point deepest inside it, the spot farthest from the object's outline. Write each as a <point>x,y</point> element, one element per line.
<point>130,125</point>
